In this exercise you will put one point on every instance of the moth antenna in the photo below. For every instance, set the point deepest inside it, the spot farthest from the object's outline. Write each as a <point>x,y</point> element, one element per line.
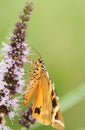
<point>36,51</point>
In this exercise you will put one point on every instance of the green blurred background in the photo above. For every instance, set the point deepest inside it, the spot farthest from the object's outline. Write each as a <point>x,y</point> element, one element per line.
<point>57,31</point>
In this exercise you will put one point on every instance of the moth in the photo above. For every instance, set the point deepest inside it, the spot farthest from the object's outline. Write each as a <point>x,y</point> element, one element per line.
<point>45,107</point>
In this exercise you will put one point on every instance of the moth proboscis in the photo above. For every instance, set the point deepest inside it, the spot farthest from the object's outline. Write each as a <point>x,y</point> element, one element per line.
<point>45,107</point>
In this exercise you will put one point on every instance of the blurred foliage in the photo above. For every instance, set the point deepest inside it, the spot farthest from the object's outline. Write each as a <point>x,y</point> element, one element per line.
<point>56,30</point>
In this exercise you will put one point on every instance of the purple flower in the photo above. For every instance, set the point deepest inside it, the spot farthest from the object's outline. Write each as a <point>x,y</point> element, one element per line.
<point>11,68</point>
<point>26,118</point>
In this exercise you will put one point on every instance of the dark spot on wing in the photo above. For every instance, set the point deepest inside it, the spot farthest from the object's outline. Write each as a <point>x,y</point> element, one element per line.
<point>34,80</point>
<point>56,116</point>
<point>54,103</point>
<point>40,60</point>
<point>42,66</point>
<point>52,93</point>
<point>37,110</point>
<point>36,69</point>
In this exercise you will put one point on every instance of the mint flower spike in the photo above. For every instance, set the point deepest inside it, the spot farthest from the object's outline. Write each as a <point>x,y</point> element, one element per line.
<point>26,119</point>
<point>11,68</point>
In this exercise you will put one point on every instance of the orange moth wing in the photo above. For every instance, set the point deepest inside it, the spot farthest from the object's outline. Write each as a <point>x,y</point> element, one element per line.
<point>45,107</point>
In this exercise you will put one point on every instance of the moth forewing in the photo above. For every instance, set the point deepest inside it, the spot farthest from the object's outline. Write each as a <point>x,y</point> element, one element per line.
<point>30,91</point>
<point>42,107</point>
